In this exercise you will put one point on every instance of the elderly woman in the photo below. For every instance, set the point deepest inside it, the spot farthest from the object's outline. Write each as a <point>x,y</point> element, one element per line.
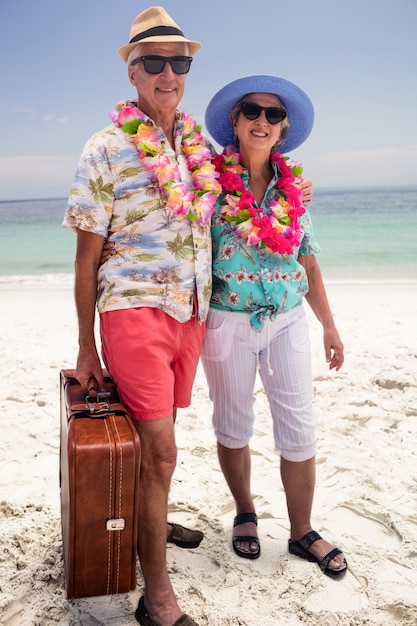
<point>264,265</point>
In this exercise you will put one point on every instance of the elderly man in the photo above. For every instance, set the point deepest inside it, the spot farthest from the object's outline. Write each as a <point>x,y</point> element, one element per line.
<point>135,189</point>
<point>147,184</point>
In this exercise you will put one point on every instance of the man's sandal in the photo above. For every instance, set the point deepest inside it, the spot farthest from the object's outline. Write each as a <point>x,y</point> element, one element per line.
<point>300,548</point>
<point>183,537</point>
<point>144,618</point>
<point>243,518</point>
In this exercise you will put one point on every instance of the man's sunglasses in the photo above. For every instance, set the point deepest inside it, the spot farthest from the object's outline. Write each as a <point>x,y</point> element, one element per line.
<point>252,111</point>
<point>155,64</point>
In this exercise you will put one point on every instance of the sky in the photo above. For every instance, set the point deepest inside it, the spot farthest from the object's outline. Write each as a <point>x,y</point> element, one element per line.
<point>61,75</point>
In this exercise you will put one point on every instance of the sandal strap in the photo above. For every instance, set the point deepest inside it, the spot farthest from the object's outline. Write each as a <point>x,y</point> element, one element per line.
<point>308,539</point>
<point>243,518</point>
<point>329,557</point>
<point>248,538</point>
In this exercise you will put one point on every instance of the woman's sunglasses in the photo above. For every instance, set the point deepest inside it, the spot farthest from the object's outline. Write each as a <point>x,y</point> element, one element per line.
<point>155,64</point>
<point>252,111</point>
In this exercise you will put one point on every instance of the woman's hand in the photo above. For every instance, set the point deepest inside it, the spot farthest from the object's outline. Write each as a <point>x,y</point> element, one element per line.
<point>109,250</point>
<point>307,188</point>
<point>333,348</point>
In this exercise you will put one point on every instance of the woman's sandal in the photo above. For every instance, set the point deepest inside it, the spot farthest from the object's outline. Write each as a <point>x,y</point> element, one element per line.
<point>300,548</point>
<point>243,518</point>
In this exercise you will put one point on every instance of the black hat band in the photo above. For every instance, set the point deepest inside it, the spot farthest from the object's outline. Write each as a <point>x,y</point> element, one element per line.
<point>156,31</point>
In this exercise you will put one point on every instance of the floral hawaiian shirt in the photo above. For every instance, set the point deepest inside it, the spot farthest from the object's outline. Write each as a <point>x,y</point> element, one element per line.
<point>251,280</point>
<point>161,259</point>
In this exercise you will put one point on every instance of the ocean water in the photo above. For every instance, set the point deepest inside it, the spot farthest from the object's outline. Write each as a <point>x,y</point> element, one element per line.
<point>32,240</point>
<point>366,234</point>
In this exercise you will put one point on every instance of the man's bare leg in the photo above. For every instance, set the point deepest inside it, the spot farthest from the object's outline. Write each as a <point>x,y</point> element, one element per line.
<point>158,459</point>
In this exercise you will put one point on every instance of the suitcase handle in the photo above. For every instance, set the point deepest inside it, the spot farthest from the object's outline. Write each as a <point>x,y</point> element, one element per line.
<point>99,402</point>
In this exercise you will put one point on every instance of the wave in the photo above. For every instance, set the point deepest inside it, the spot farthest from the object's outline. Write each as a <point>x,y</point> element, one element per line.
<point>51,281</point>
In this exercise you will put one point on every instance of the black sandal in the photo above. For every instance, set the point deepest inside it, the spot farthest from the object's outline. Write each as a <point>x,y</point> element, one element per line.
<point>243,518</point>
<point>300,548</point>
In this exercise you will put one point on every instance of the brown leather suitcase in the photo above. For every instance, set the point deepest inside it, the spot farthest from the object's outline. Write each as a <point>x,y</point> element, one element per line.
<point>99,477</point>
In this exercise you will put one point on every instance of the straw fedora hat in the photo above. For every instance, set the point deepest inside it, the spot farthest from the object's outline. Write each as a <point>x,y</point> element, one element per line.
<point>154,24</point>
<point>298,105</point>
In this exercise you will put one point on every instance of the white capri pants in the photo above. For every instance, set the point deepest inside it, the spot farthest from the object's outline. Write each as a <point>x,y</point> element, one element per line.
<point>233,351</point>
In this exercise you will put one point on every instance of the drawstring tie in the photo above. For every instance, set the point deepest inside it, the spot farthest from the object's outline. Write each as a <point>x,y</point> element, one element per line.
<point>258,363</point>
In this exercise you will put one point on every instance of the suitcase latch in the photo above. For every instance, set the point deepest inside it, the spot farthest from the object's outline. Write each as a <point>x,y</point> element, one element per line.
<point>115,524</point>
<point>99,404</point>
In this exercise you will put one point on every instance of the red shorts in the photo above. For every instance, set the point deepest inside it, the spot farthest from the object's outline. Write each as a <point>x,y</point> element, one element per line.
<point>152,358</point>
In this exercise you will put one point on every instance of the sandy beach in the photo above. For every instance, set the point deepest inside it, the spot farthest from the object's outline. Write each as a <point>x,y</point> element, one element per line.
<point>366,495</point>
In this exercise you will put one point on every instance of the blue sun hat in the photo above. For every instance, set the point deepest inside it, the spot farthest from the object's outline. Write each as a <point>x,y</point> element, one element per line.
<point>300,111</point>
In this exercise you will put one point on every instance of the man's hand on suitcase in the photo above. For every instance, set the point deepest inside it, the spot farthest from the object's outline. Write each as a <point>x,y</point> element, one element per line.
<point>89,372</point>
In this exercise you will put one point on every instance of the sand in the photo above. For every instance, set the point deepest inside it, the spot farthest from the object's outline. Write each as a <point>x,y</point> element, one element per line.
<point>366,495</point>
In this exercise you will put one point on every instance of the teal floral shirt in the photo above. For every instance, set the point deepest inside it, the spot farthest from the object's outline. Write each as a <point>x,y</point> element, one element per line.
<point>251,280</point>
<point>161,259</point>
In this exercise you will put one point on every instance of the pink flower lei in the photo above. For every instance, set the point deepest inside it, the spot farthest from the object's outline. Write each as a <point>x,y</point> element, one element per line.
<point>195,200</point>
<point>278,231</point>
